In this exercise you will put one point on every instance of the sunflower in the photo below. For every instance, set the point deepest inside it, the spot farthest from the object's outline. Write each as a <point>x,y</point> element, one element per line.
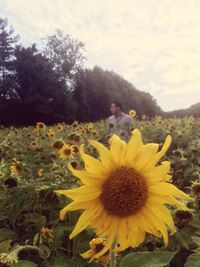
<point>40,126</point>
<point>77,138</point>
<point>96,245</point>
<point>60,127</point>
<point>47,234</point>
<point>40,172</point>
<point>51,133</point>
<point>75,124</point>
<point>16,168</point>
<point>90,126</point>
<point>75,149</point>
<point>124,192</point>
<point>58,144</point>
<point>34,145</point>
<point>132,113</point>
<point>66,152</point>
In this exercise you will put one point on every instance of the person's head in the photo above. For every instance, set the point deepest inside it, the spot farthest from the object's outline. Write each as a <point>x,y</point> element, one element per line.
<point>116,108</point>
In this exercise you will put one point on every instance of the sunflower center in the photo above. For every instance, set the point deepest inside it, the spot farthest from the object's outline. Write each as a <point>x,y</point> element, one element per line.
<point>67,151</point>
<point>124,193</point>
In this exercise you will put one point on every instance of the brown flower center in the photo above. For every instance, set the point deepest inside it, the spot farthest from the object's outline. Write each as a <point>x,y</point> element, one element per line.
<point>67,152</point>
<point>124,193</point>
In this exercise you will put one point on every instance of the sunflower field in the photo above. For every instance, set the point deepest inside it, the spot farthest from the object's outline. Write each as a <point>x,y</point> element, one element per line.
<point>53,213</point>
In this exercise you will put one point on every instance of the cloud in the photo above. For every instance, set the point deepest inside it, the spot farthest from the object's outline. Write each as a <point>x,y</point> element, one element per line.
<point>154,44</point>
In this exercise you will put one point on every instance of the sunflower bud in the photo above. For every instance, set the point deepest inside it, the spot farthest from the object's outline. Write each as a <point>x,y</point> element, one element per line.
<point>183,217</point>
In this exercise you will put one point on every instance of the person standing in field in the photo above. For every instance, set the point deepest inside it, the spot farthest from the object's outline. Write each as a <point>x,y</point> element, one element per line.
<point>119,123</point>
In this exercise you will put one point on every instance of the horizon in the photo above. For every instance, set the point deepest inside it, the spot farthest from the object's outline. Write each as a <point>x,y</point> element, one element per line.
<point>159,55</point>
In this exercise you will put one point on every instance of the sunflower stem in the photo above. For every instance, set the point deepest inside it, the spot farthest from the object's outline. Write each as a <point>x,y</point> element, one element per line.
<point>112,256</point>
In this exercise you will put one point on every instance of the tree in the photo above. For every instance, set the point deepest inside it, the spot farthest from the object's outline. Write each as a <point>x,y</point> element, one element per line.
<point>66,54</point>
<point>96,89</point>
<point>40,94</point>
<point>7,46</point>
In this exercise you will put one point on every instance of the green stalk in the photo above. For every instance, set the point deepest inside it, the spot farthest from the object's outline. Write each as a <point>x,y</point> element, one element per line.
<point>112,256</point>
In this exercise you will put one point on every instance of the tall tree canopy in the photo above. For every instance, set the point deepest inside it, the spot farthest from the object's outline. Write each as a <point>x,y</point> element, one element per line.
<point>66,54</point>
<point>7,47</point>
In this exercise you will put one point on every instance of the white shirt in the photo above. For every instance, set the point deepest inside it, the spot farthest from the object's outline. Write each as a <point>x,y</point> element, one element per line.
<point>119,125</point>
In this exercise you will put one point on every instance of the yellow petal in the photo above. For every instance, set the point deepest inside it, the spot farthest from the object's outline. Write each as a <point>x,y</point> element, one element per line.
<point>91,164</point>
<point>104,153</point>
<point>161,153</point>
<point>83,193</point>
<point>161,212</point>
<point>102,224</point>
<point>136,237</point>
<point>122,235</point>
<point>164,188</point>
<point>88,254</point>
<point>159,173</point>
<point>85,219</point>
<point>117,147</point>
<point>86,177</point>
<point>75,205</point>
<point>133,147</point>
<point>160,226</point>
<point>172,201</point>
<point>111,237</point>
<point>140,221</point>
<point>145,156</point>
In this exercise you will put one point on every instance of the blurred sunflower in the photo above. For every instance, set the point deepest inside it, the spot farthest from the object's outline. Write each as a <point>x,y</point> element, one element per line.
<point>124,193</point>
<point>66,151</point>
<point>16,168</point>
<point>75,124</point>
<point>47,234</point>
<point>40,126</point>
<point>34,145</point>
<point>40,172</point>
<point>77,138</point>
<point>90,126</point>
<point>58,144</point>
<point>60,127</point>
<point>75,149</point>
<point>51,133</point>
<point>132,113</point>
<point>95,133</point>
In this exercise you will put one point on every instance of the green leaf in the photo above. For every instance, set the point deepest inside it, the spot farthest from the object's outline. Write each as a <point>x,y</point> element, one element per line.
<point>6,234</point>
<point>193,261</point>
<point>184,237</point>
<point>196,239</point>
<point>147,259</point>
<point>25,263</point>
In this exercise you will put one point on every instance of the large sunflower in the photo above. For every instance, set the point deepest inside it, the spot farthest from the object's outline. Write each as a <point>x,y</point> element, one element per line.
<point>124,192</point>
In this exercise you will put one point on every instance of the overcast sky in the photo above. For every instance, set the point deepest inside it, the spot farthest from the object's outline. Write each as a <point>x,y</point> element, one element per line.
<point>155,44</point>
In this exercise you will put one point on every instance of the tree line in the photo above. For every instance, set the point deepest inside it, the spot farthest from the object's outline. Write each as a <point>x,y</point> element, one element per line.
<point>53,85</point>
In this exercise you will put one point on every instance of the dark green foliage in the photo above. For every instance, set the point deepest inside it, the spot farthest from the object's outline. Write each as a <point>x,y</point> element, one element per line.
<point>7,46</point>
<point>96,89</point>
